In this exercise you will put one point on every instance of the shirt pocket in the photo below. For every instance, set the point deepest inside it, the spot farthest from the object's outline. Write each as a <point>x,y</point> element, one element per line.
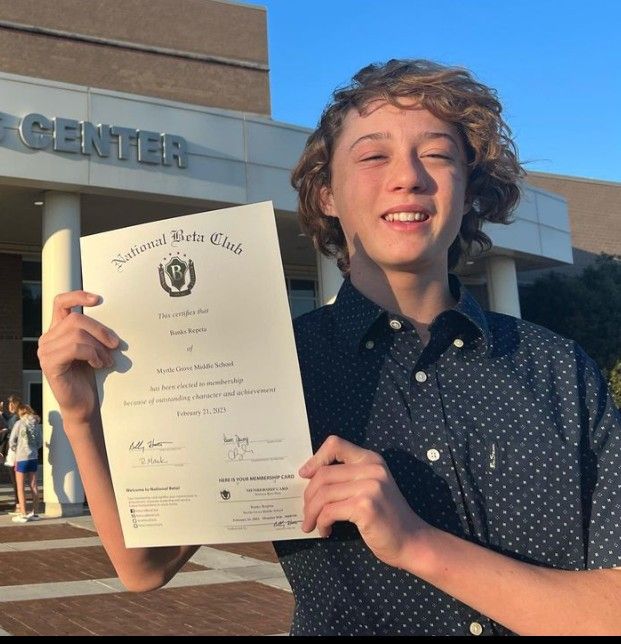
<point>531,495</point>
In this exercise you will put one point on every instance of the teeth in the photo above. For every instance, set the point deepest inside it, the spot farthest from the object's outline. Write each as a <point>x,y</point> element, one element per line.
<point>406,216</point>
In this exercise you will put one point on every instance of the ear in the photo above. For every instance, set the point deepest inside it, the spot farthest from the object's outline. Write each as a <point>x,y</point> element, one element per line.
<point>327,202</point>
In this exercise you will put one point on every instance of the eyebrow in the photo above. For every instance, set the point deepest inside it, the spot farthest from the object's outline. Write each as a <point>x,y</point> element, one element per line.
<point>373,136</point>
<point>380,136</point>
<point>441,135</point>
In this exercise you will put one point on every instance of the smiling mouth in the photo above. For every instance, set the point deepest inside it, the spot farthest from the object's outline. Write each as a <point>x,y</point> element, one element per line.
<point>406,216</point>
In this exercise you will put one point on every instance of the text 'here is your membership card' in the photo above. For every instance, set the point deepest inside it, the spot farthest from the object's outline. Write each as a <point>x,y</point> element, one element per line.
<point>203,411</point>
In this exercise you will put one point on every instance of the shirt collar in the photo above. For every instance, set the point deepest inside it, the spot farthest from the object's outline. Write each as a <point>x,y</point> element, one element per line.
<point>471,311</point>
<point>353,315</point>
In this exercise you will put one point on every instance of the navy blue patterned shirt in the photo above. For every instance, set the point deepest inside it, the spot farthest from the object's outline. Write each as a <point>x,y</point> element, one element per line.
<point>498,431</point>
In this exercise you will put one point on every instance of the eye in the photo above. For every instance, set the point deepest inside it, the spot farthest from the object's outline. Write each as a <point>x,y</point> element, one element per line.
<point>438,155</point>
<point>373,157</point>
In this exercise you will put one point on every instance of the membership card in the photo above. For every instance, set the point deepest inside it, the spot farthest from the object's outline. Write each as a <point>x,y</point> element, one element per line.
<point>203,411</point>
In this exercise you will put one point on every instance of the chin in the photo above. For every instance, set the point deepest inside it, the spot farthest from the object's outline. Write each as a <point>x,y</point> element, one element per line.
<point>414,265</point>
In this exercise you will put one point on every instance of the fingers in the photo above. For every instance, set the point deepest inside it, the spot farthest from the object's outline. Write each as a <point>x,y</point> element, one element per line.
<point>320,502</point>
<point>353,488</point>
<point>64,302</point>
<point>57,354</point>
<point>330,514</point>
<point>335,449</point>
<point>339,470</point>
<point>334,474</point>
<point>75,323</point>
<point>74,336</point>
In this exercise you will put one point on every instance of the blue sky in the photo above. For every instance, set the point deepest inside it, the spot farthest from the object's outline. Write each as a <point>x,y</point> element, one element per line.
<point>556,64</point>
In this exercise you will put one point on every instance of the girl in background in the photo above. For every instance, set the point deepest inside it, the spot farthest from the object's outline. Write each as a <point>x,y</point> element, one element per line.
<point>25,441</point>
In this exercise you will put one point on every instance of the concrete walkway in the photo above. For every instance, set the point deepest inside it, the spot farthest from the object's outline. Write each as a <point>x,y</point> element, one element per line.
<point>56,579</point>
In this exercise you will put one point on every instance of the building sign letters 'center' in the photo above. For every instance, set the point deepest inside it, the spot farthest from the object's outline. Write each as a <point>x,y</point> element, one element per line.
<point>82,137</point>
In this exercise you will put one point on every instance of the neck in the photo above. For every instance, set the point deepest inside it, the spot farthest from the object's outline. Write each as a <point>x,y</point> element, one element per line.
<point>419,298</point>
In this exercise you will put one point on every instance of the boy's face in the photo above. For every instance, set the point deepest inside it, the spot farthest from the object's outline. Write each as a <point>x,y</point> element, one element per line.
<point>12,407</point>
<point>398,189</point>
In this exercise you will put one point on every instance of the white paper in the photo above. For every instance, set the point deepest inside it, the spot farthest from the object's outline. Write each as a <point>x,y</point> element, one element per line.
<point>203,412</point>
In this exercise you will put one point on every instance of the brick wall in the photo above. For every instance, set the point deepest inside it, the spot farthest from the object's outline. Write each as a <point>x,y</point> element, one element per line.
<point>203,27</point>
<point>594,210</point>
<point>10,326</point>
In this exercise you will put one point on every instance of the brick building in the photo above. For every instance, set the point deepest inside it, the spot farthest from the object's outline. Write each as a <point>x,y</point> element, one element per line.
<point>594,216</point>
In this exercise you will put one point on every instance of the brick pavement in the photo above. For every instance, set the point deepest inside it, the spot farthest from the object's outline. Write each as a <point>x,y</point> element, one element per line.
<point>244,608</point>
<point>55,579</point>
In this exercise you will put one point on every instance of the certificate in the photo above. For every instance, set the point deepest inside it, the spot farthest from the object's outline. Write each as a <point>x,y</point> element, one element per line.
<point>203,411</point>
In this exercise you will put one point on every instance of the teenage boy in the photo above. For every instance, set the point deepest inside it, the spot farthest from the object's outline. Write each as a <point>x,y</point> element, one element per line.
<point>467,470</point>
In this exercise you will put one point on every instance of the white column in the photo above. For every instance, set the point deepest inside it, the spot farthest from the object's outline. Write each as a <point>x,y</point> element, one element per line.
<point>63,492</point>
<point>329,277</point>
<point>502,288</point>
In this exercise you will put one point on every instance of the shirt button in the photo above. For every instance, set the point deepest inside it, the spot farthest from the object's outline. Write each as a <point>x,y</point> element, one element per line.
<point>395,324</point>
<point>369,344</point>
<point>458,342</point>
<point>433,455</point>
<point>420,376</point>
<point>475,628</point>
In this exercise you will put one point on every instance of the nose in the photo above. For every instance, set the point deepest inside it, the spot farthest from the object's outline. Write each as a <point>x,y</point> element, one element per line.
<point>407,174</point>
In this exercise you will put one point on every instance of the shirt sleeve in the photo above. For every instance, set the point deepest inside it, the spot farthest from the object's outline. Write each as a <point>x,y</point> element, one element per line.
<point>13,436</point>
<point>601,468</point>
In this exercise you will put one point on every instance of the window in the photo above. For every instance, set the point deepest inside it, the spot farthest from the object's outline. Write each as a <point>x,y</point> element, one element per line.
<point>31,313</point>
<point>302,295</point>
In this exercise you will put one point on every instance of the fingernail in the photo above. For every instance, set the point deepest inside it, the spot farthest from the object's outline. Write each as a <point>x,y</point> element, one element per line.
<point>303,471</point>
<point>114,338</point>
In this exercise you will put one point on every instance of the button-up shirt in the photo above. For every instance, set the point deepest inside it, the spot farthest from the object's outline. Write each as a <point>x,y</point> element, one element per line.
<point>497,431</point>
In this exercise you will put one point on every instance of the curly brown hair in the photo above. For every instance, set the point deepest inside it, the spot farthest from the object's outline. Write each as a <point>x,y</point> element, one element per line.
<point>450,94</point>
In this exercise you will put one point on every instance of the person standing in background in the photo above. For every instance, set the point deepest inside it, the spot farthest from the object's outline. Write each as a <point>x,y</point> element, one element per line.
<point>25,441</point>
<point>11,418</point>
<point>4,434</point>
<point>4,415</point>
